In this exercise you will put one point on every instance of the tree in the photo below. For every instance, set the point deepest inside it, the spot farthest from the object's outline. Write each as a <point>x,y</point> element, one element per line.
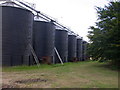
<point>104,37</point>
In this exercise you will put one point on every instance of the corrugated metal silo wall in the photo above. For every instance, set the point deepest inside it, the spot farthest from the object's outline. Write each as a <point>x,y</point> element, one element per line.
<point>79,49</point>
<point>16,34</point>
<point>84,51</point>
<point>43,40</point>
<point>72,41</point>
<point>61,44</point>
<point>0,38</point>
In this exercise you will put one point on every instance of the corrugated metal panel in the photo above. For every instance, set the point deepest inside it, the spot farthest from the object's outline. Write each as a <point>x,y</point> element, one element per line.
<point>0,36</point>
<point>84,47</point>
<point>61,43</point>
<point>16,33</point>
<point>43,40</point>
<point>72,48</point>
<point>79,49</point>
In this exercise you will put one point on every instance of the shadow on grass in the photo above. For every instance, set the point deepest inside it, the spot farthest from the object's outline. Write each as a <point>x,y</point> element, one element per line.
<point>108,66</point>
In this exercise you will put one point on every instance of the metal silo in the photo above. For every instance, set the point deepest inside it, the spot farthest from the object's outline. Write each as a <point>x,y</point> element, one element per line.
<point>43,40</point>
<point>16,34</point>
<point>72,48</point>
<point>79,49</point>
<point>84,48</point>
<point>61,44</point>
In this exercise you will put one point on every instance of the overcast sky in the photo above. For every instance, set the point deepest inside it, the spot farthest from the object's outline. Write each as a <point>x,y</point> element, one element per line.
<point>78,15</point>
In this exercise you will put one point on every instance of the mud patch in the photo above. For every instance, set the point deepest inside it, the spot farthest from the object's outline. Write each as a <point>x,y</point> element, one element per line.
<point>31,80</point>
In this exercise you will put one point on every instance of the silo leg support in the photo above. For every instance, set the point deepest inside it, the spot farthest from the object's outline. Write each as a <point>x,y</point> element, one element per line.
<point>35,56</point>
<point>58,55</point>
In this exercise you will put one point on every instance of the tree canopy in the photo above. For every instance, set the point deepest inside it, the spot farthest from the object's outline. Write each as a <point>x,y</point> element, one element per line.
<point>105,35</point>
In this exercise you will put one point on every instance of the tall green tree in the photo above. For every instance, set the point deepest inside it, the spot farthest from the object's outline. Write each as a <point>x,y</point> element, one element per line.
<point>105,36</point>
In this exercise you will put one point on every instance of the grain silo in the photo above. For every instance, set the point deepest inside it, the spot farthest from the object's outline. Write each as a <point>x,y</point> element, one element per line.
<point>61,44</point>
<point>43,41</point>
<point>79,49</point>
<point>72,48</point>
<point>84,50</point>
<point>16,35</point>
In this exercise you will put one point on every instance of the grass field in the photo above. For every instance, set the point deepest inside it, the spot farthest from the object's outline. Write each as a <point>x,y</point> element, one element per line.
<point>70,75</point>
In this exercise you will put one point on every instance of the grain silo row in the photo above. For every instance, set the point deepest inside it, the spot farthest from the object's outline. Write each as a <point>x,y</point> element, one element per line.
<point>20,32</point>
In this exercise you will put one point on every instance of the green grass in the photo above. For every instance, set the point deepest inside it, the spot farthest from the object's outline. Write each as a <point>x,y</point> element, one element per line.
<point>41,66</point>
<point>86,74</point>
